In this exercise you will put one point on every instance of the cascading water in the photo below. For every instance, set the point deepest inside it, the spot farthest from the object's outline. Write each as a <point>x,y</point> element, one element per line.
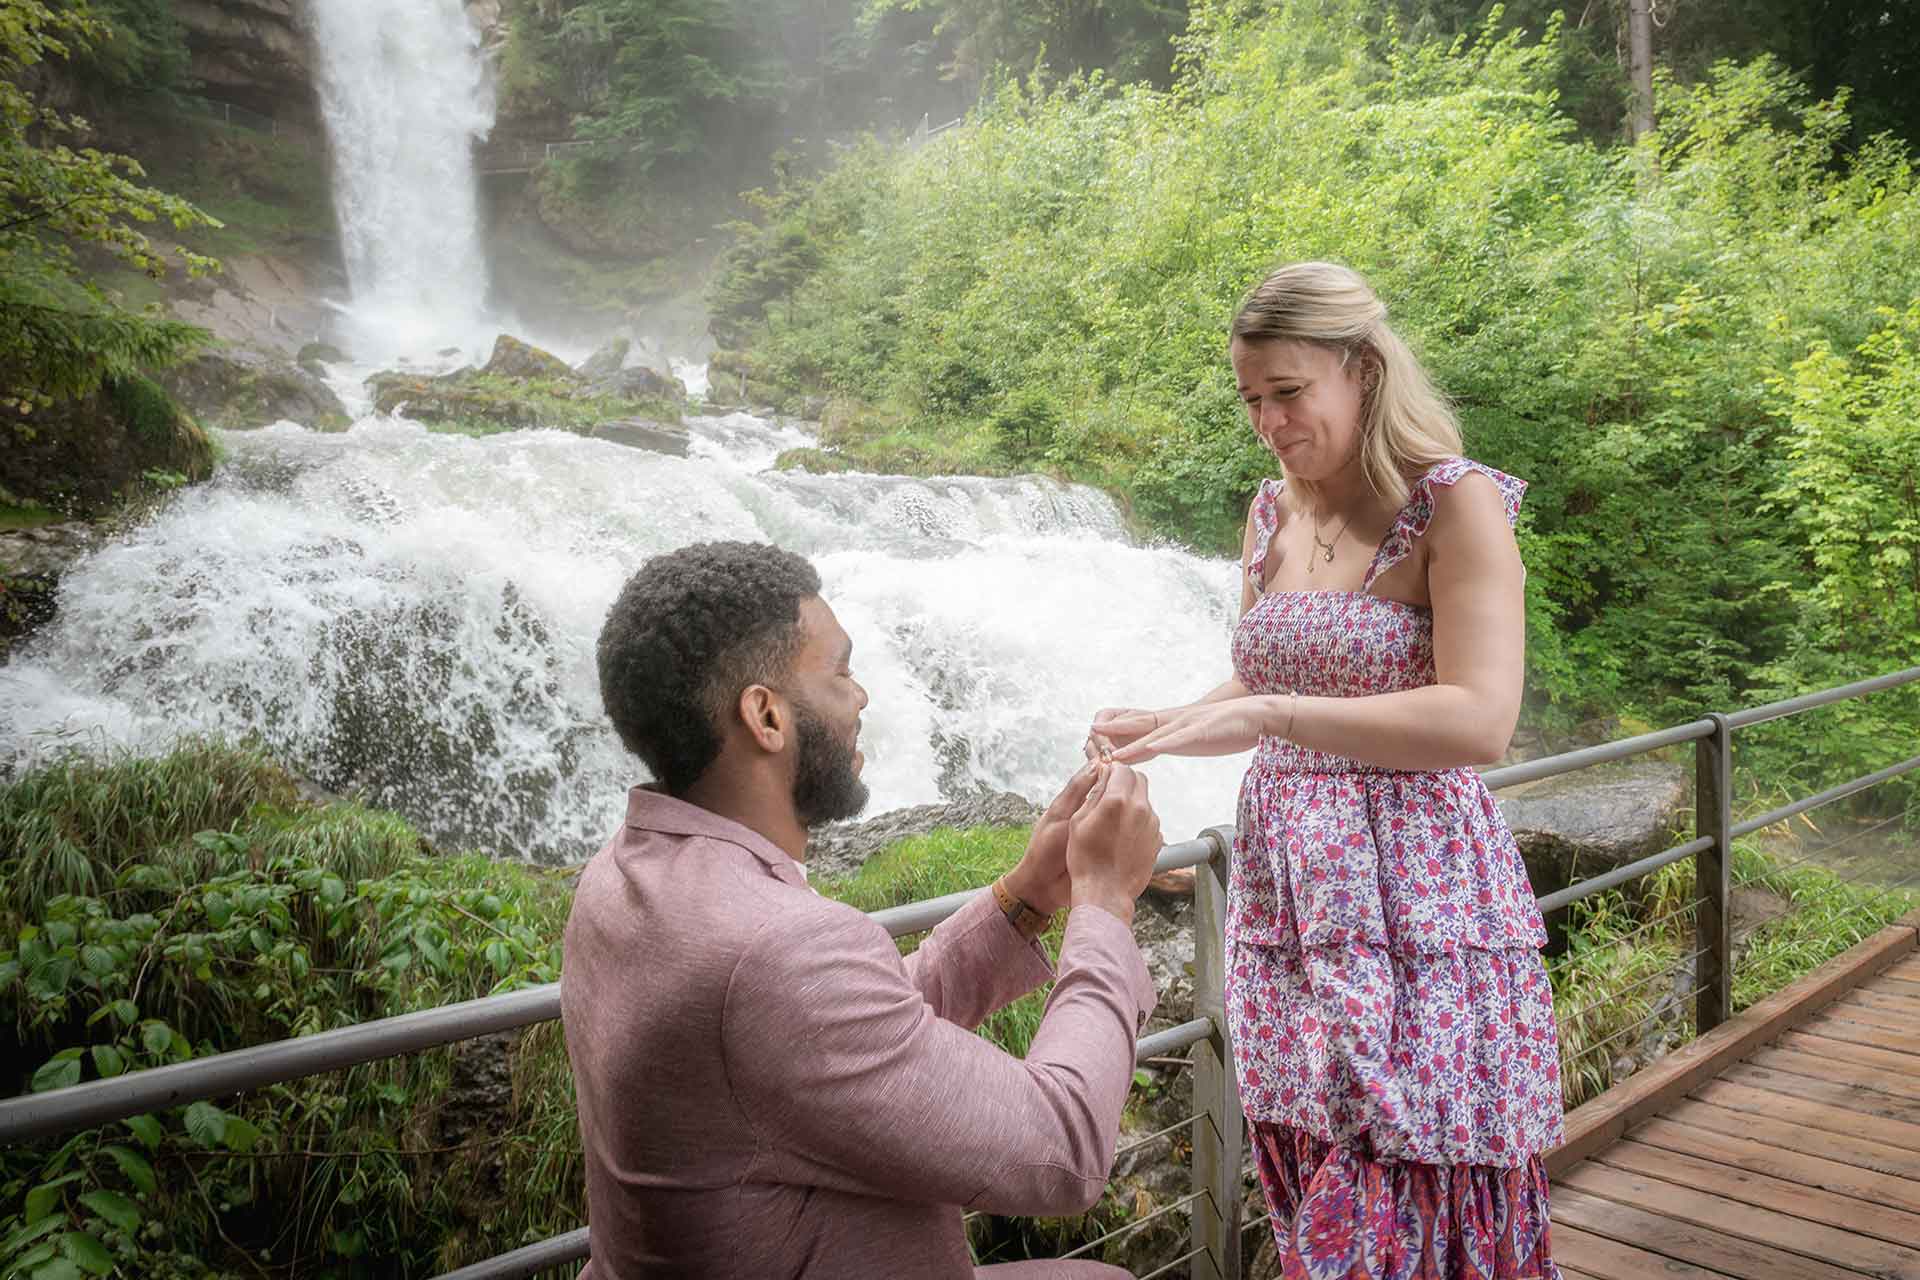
<point>411,617</point>
<point>405,95</point>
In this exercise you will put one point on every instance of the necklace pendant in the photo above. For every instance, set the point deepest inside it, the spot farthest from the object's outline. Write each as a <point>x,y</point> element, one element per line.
<point>1329,555</point>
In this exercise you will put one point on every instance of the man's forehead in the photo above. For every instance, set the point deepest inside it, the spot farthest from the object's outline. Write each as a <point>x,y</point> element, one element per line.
<point>821,628</point>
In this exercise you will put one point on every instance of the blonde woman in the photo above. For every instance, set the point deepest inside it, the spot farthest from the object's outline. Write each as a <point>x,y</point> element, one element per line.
<point>1391,1021</point>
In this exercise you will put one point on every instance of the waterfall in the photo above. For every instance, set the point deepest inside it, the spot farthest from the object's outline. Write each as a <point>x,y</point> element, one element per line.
<point>405,95</point>
<point>410,617</point>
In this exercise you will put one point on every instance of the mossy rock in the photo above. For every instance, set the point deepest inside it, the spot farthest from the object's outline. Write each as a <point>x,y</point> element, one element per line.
<point>85,457</point>
<point>818,461</point>
<point>513,358</point>
<point>316,356</point>
<point>237,388</point>
<point>482,403</point>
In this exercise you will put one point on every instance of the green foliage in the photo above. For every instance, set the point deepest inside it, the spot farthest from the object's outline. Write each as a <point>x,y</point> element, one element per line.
<point>1064,265</point>
<point>155,910</point>
<point>53,196</point>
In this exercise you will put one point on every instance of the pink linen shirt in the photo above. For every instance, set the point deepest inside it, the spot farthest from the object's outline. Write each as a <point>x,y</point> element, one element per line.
<point>767,1088</point>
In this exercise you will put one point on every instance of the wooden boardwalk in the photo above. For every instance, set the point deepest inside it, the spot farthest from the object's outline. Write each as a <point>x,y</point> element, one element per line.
<point>1784,1145</point>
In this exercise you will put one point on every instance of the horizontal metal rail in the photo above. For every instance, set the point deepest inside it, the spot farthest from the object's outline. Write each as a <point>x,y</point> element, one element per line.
<point>1586,757</point>
<point>1841,792</point>
<point>1620,875</point>
<point>97,1102</point>
<point>1824,698</point>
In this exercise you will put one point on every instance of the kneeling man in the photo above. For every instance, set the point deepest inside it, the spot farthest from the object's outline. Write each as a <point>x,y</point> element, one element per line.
<point>766,1088</point>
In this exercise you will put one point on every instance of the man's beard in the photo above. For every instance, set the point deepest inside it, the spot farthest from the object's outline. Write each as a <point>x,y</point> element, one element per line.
<point>826,788</point>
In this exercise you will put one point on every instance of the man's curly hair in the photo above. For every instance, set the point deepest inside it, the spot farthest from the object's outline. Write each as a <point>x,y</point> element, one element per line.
<point>688,632</point>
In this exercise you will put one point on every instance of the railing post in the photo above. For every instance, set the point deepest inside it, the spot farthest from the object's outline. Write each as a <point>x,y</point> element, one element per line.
<point>1218,1146</point>
<point>1713,875</point>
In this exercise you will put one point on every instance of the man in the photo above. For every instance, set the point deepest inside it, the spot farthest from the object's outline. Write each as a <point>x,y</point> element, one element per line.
<point>766,1089</point>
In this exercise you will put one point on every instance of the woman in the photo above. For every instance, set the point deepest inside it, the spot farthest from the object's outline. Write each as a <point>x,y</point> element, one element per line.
<point>1391,1021</point>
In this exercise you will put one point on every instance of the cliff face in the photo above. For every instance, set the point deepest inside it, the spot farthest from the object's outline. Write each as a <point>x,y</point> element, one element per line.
<point>254,53</point>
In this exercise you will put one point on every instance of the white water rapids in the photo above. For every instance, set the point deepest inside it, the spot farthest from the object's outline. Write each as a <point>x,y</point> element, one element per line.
<point>411,617</point>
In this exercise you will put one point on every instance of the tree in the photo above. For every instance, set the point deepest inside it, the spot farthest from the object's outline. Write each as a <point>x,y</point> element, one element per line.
<point>59,335</point>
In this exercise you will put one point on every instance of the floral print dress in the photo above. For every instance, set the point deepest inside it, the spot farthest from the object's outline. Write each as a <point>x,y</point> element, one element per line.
<point>1392,1023</point>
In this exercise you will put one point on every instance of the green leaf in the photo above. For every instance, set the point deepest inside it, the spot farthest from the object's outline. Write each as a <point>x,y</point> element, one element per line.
<point>32,1258</point>
<point>88,1252</point>
<point>206,1124</point>
<point>59,1269</point>
<point>240,1134</point>
<point>99,961</point>
<point>134,1166</point>
<point>45,1198</point>
<point>126,1011</point>
<point>219,910</point>
<point>107,1060</point>
<point>115,1208</point>
<point>147,1129</point>
<point>35,1228</point>
<point>9,972</point>
<point>59,1071</point>
<point>48,981</point>
<point>156,1037</point>
<point>333,891</point>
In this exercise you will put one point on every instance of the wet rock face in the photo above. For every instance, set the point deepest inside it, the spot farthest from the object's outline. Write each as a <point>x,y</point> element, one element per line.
<point>83,457</point>
<point>1577,826</point>
<point>236,388</point>
<point>251,52</point>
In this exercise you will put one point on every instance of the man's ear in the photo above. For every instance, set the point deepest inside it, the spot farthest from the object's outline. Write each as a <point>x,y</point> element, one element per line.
<point>766,717</point>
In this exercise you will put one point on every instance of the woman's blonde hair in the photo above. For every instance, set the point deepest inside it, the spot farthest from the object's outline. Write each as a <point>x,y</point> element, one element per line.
<point>1406,424</point>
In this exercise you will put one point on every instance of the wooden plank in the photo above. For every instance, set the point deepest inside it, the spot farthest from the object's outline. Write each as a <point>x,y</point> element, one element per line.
<point>1818,1068</point>
<point>1881,1157</point>
<point>1892,1003</point>
<point>1757,1154</point>
<point>1701,1246</point>
<point>1907,969</point>
<point>1891,985</point>
<point>1816,1115</point>
<point>1838,1093</point>
<point>1891,1061</point>
<point>1867,1015</point>
<point>1861,1033</point>
<point>1606,1259</point>
<point>1602,1120</point>
<point>1678,1202</point>
<point>1897,1228</point>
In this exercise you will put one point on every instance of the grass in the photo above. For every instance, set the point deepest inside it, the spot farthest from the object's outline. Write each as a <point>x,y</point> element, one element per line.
<point>1614,988</point>
<point>26,515</point>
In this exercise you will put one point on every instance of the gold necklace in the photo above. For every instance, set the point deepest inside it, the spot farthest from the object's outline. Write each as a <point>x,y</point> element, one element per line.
<point>1324,550</point>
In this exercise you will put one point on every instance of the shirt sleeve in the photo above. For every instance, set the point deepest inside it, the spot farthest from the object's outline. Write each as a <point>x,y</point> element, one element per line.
<point>853,1081</point>
<point>975,962</point>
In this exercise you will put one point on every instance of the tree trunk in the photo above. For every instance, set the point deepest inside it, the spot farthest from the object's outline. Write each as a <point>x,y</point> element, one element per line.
<point>1640,65</point>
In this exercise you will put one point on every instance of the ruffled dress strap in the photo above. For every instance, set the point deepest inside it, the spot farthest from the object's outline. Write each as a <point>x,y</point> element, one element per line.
<point>1266,518</point>
<point>1413,519</point>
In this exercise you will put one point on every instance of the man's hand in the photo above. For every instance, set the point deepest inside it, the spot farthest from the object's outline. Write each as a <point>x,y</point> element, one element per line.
<point>1112,841</point>
<point>1041,879</point>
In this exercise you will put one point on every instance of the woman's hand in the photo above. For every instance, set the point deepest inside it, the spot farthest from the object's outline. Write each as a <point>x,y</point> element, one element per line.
<point>1208,729</point>
<point>1115,727</point>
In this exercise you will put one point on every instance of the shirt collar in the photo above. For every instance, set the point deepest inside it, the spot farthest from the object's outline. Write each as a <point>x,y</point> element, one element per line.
<point>651,810</point>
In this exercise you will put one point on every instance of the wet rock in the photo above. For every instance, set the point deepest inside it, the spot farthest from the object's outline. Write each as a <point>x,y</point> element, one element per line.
<point>513,358</point>
<point>31,564</point>
<point>1577,826</point>
<point>84,457</point>
<point>238,387</point>
<point>605,362</point>
<point>639,433</point>
<point>640,383</point>
<point>316,356</point>
<point>841,848</point>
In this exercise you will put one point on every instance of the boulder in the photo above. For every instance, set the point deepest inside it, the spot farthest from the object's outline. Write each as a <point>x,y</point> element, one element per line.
<point>640,383</point>
<point>1579,825</point>
<point>84,457</point>
<point>237,387</point>
<point>513,358</point>
<point>639,433</point>
<point>315,356</point>
<point>605,362</point>
<point>841,848</point>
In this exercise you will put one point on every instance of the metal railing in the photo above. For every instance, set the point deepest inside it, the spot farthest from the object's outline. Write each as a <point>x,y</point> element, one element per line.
<point>519,155</point>
<point>1216,1127</point>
